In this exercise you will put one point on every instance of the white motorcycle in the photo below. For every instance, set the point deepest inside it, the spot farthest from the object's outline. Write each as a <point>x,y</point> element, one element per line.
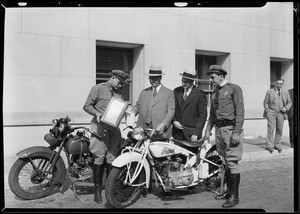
<point>163,161</point>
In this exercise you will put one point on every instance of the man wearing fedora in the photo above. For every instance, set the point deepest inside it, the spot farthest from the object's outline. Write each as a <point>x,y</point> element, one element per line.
<point>227,117</point>
<point>104,149</point>
<point>156,105</point>
<point>190,109</point>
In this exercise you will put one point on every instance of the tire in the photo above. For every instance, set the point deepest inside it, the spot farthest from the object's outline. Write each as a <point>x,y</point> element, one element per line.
<point>214,156</point>
<point>24,181</point>
<point>120,195</point>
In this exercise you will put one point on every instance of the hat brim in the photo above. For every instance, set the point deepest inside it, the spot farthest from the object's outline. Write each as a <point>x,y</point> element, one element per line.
<point>155,75</point>
<point>216,71</point>
<point>187,77</point>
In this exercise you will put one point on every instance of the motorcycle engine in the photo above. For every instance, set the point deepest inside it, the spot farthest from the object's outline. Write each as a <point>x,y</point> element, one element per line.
<point>82,165</point>
<point>173,173</point>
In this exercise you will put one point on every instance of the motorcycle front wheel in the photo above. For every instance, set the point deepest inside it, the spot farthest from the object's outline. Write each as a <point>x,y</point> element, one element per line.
<point>119,194</point>
<point>28,178</point>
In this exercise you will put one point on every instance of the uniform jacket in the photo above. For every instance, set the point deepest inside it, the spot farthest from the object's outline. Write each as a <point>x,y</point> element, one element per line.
<point>271,100</point>
<point>231,106</point>
<point>161,110</point>
<point>191,113</point>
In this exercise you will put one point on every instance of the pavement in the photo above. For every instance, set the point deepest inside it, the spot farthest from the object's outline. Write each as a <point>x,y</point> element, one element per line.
<point>255,149</point>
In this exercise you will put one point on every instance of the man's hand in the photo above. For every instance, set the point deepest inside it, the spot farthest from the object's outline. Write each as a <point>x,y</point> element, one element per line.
<point>194,138</point>
<point>160,128</point>
<point>283,110</point>
<point>235,139</point>
<point>177,125</point>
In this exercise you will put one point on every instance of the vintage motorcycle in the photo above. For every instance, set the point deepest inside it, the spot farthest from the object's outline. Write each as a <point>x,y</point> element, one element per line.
<point>40,169</point>
<point>171,164</point>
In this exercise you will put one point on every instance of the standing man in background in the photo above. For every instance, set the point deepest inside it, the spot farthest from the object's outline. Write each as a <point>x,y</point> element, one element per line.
<point>104,149</point>
<point>277,103</point>
<point>291,118</point>
<point>227,116</point>
<point>190,109</point>
<point>156,105</point>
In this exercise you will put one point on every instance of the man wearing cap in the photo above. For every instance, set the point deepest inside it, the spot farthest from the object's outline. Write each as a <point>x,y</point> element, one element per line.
<point>156,104</point>
<point>104,149</point>
<point>227,117</point>
<point>190,109</point>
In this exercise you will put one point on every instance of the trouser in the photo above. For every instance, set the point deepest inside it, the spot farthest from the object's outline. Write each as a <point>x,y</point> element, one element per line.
<point>275,122</point>
<point>291,130</point>
<point>231,154</point>
<point>106,147</point>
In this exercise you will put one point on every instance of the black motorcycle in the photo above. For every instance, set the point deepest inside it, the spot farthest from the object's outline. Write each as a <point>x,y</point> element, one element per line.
<point>41,169</point>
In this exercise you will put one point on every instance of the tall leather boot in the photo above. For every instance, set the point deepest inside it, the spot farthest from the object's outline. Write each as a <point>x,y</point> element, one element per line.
<point>98,170</point>
<point>108,168</point>
<point>234,197</point>
<point>227,193</point>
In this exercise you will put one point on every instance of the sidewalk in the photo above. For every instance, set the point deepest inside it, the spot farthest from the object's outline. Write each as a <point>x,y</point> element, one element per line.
<point>255,149</point>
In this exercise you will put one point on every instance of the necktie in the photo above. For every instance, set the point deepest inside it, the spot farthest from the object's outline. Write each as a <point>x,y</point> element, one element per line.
<point>279,93</point>
<point>185,94</point>
<point>154,92</point>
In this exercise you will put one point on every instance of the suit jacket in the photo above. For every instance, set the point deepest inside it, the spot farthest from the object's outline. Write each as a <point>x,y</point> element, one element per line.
<point>271,99</point>
<point>291,110</point>
<point>191,113</point>
<point>160,110</point>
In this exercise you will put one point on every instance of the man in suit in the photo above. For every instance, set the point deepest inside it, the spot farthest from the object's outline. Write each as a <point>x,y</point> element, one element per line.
<point>190,109</point>
<point>291,118</point>
<point>277,103</point>
<point>156,105</point>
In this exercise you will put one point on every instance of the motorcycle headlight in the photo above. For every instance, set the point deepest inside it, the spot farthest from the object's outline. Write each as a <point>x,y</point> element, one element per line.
<point>138,133</point>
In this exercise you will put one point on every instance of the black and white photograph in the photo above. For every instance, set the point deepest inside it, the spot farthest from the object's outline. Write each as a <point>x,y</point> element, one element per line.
<point>183,106</point>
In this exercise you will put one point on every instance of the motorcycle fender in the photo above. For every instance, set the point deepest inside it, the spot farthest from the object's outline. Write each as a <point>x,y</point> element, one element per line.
<point>46,152</point>
<point>127,157</point>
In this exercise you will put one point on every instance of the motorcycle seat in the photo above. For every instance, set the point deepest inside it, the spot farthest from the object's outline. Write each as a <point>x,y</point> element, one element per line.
<point>191,144</point>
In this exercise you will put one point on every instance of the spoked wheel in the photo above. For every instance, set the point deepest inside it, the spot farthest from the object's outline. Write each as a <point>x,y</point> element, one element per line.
<point>30,178</point>
<point>119,194</point>
<point>214,156</point>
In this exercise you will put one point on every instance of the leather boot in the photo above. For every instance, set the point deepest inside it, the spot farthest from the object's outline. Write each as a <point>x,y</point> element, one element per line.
<point>98,173</point>
<point>108,168</point>
<point>234,197</point>
<point>227,193</point>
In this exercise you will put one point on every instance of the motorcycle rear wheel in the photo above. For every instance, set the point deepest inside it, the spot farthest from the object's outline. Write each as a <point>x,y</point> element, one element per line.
<point>30,182</point>
<point>120,195</point>
<point>214,156</point>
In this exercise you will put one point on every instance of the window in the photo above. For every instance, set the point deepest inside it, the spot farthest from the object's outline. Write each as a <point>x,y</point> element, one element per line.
<point>114,58</point>
<point>204,59</point>
<point>281,68</point>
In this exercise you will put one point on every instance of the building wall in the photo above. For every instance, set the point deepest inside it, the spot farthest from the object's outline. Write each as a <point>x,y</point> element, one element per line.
<point>49,53</point>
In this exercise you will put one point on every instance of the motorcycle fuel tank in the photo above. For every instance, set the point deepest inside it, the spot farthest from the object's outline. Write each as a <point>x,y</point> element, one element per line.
<point>163,149</point>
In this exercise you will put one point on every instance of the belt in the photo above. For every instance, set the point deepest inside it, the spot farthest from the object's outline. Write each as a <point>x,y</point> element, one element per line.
<point>222,123</point>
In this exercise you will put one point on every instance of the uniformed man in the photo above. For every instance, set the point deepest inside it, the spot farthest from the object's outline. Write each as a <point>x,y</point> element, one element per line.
<point>104,149</point>
<point>227,117</point>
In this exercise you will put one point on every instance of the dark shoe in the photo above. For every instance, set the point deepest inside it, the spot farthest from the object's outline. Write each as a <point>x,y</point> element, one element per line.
<point>279,149</point>
<point>269,149</point>
<point>232,201</point>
